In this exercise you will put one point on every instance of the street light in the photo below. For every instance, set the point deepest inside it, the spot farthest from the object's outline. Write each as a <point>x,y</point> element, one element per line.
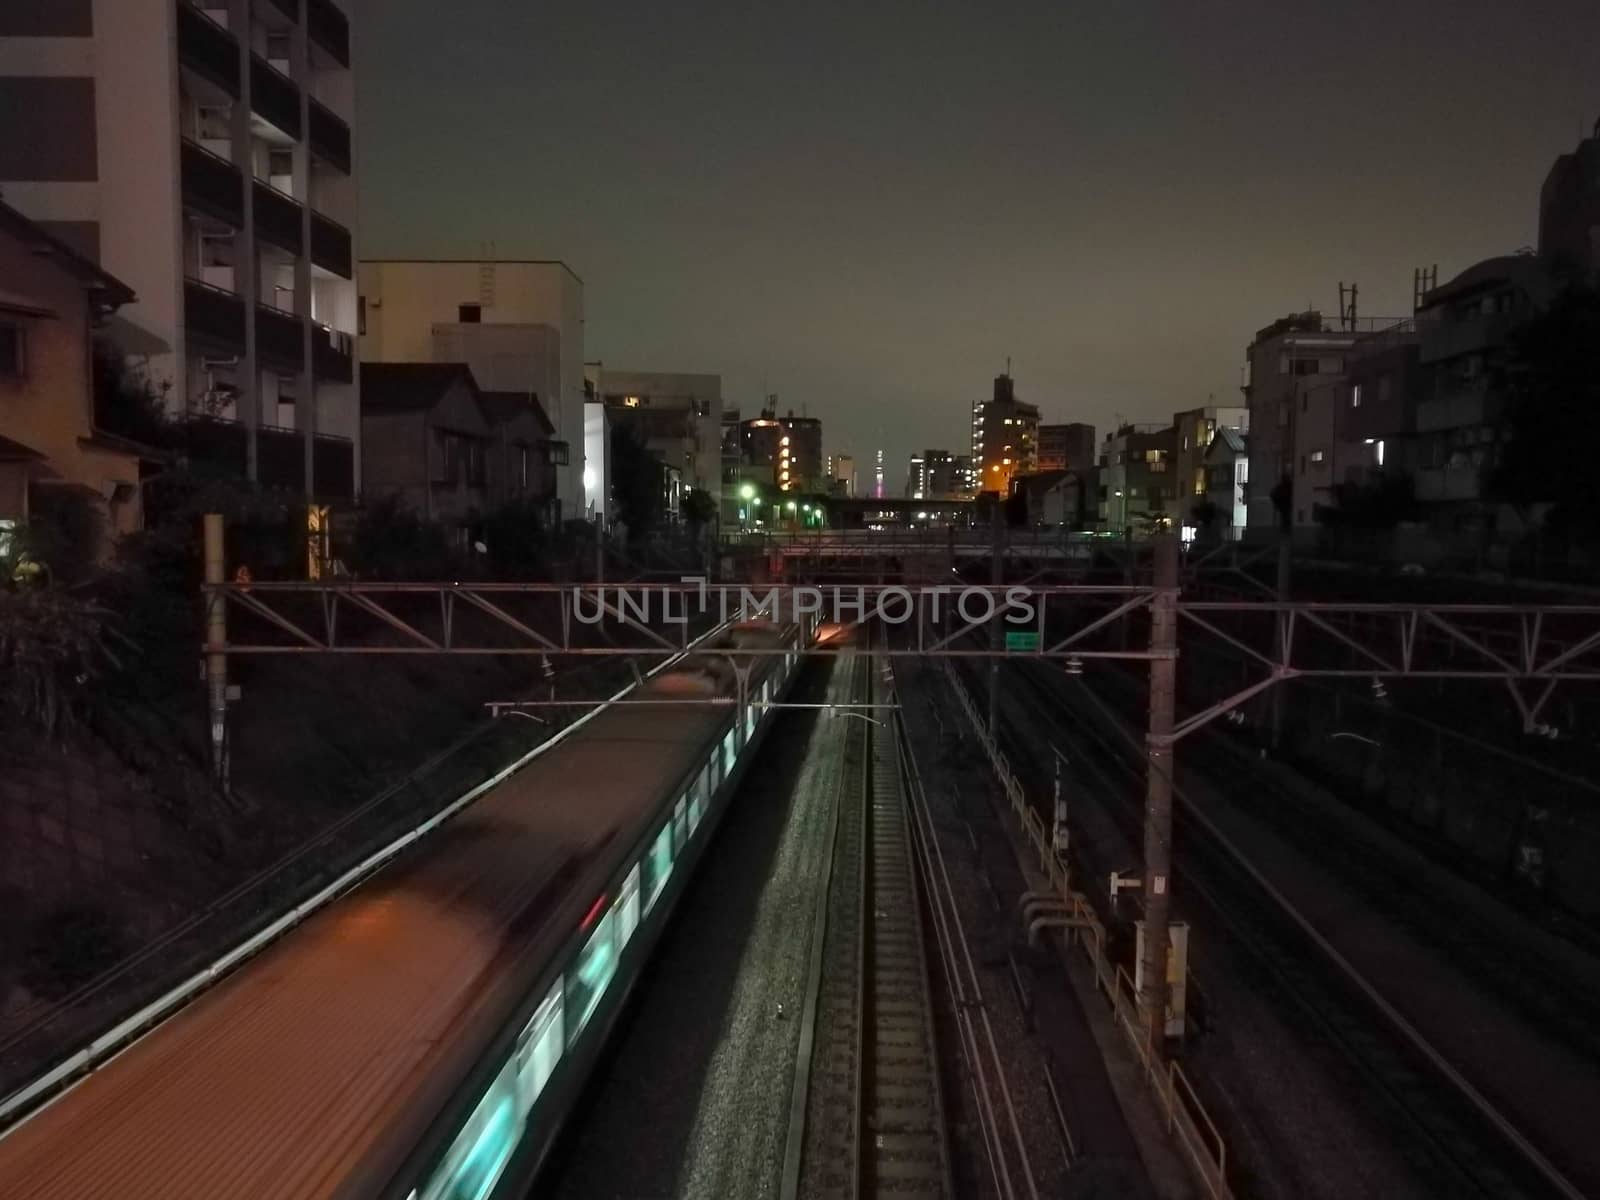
<point>747,492</point>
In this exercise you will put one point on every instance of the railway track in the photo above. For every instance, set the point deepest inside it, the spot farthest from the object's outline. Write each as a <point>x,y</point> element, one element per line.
<point>1453,1136</point>
<point>867,1115</point>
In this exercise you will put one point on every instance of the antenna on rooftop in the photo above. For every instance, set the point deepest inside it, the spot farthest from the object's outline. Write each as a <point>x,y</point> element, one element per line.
<point>1347,311</point>
<point>1423,281</point>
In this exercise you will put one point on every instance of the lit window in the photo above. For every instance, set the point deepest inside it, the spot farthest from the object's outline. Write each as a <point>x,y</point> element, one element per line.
<point>587,980</point>
<point>1380,454</point>
<point>1355,395</point>
<point>1317,456</point>
<point>539,1048</point>
<point>658,865</point>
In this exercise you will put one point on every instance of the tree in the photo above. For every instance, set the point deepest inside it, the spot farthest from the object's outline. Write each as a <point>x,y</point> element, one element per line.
<point>1550,382</point>
<point>1205,514</point>
<point>128,404</point>
<point>636,476</point>
<point>699,507</point>
<point>1376,506</point>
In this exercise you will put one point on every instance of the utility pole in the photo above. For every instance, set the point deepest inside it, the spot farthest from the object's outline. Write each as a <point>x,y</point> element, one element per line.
<point>997,579</point>
<point>1158,789</point>
<point>216,650</point>
<point>1281,627</point>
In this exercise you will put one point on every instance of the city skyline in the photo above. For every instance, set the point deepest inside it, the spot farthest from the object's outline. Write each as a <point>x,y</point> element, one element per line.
<point>1070,190</point>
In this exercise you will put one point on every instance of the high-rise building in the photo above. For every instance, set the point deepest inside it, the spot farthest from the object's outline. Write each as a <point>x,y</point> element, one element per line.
<point>966,478</point>
<point>917,478</point>
<point>1067,447</point>
<point>785,450</point>
<point>518,325</point>
<point>877,478</point>
<point>1005,444</point>
<point>200,151</point>
<point>842,474</point>
<point>932,475</point>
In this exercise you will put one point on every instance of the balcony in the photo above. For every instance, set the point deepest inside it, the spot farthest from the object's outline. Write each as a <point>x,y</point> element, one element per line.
<point>330,246</point>
<point>274,96</point>
<point>1445,338</point>
<point>289,8</point>
<point>212,185</point>
<point>329,28</point>
<point>280,455</point>
<point>279,338</point>
<point>207,49</point>
<point>330,137</point>
<point>333,355</point>
<point>214,316</point>
<point>278,219</point>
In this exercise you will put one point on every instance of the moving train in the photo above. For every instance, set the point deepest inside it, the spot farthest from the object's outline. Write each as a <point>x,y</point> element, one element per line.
<point>424,1035</point>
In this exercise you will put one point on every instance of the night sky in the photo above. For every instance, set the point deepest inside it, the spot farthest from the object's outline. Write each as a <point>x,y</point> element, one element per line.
<point>867,207</point>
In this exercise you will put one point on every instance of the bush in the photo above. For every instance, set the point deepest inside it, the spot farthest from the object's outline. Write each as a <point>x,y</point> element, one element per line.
<point>392,542</point>
<point>64,532</point>
<point>516,538</point>
<point>52,644</point>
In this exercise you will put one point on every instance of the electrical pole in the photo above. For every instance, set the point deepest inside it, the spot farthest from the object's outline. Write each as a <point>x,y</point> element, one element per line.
<point>216,649</point>
<point>1158,789</point>
<point>996,578</point>
<point>1281,628</point>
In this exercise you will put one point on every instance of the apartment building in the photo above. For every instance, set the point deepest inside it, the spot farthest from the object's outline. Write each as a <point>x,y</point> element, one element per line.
<point>784,451</point>
<point>1068,447</point>
<point>841,475</point>
<point>517,324</point>
<point>679,414</point>
<point>1285,362</point>
<point>1136,477</point>
<point>1005,437</point>
<point>1193,432</point>
<point>201,151</point>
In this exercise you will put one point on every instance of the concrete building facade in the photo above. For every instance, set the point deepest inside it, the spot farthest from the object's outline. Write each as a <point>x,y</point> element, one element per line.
<point>1285,361</point>
<point>519,325</point>
<point>1005,438</point>
<point>1193,432</point>
<point>51,300</point>
<point>841,475</point>
<point>1136,483</point>
<point>783,451</point>
<point>1069,447</point>
<point>202,151</point>
<point>680,415</point>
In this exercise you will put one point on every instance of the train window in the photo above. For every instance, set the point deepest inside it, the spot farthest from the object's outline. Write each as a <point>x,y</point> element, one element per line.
<point>587,980</point>
<point>627,907</point>
<point>482,1149</point>
<point>730,751</point>
<point>657,866</point>
<point>680,824</point>
<point>539,1049</point>
<point>699,793</point>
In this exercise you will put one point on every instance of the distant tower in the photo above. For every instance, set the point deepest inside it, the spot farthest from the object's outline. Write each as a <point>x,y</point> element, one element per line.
<point>877,478</point>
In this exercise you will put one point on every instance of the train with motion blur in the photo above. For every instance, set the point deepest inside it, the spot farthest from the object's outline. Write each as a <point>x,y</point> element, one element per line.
<point>423,1035</point>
